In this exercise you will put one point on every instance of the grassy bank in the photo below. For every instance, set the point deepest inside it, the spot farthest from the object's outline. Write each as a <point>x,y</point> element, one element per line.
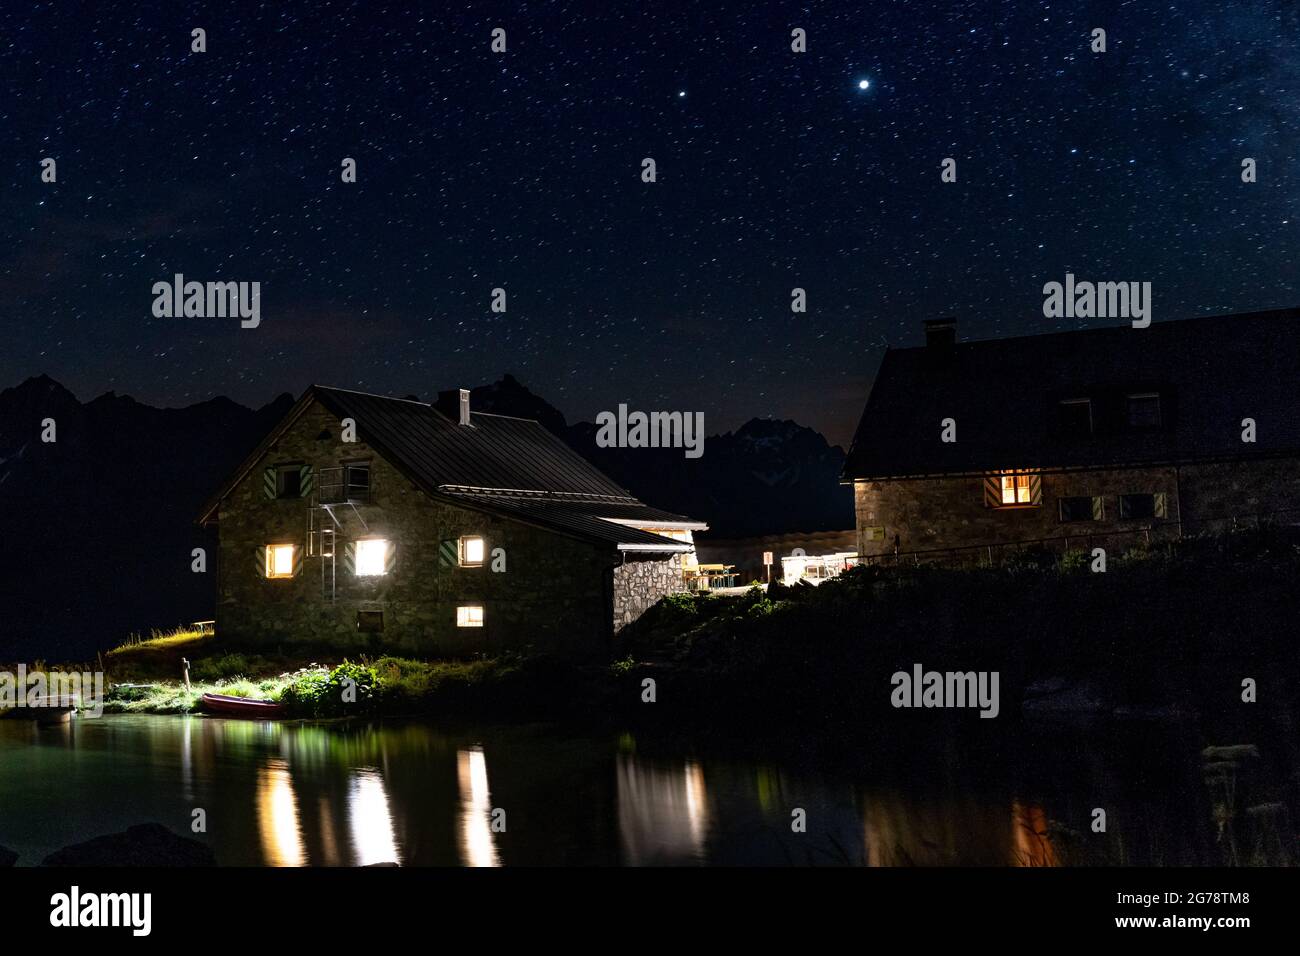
<point>1177,627</point>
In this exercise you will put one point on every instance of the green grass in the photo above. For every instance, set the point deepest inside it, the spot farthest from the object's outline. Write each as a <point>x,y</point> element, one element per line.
<point>157,640</point>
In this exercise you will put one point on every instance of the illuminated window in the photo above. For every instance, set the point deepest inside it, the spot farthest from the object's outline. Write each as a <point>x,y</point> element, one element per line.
<point>1016,490</point>
<point>279,560</point>
<point>372,557</point>
<point>469,615</point>
<point>472,550</point>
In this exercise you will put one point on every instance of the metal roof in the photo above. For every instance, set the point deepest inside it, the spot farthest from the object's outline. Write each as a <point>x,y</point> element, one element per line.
<point>512,466</point>
<point>492,452</point>
<point>589,519</point>
<point>1005,396</point>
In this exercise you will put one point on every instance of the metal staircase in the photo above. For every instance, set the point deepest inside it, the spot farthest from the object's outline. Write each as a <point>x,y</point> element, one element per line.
<point>331,495</point>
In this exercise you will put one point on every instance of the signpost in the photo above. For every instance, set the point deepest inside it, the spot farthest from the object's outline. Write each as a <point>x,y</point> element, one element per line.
<point>767,561</point>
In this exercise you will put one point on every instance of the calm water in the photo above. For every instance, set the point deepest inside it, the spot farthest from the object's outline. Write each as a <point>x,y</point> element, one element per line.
<point>421,794</point>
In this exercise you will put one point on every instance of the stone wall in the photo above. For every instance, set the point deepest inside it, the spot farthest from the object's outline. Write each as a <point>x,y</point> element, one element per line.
<point>933,513</point>
<point>1227,494</point>
<point>554,595</point>
<point>950,512</point>
<point>641,583</point>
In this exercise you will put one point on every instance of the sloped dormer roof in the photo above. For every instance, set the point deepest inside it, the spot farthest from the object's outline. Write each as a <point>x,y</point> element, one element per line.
<point>510,466</point>
<point>1005,397</point>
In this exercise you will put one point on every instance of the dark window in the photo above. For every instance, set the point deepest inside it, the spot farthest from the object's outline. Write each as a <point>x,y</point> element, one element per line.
<point>289,482</point>
<point>1144,410</point>
<point>1135,507</point>
<point>1075,417</point>
<point>370,622</point>
<point>358,480</point>
<point>1080,509</point>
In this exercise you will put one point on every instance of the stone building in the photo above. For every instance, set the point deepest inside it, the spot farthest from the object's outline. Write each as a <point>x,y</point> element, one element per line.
<point>378,523</point>
<point>1099,437</point>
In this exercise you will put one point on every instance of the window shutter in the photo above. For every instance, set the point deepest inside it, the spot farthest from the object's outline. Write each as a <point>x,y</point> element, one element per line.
<point>1160,505</point>
<point>992,491</point>
<point>304,481</point>
<point>268,482</point>
<point>263,561</point>
<point>1097,508</point>
<point>447,553</point>
<point>297,561</point>
<point>1035,489</point>
<point>390,556</point>
<point>350,557</point>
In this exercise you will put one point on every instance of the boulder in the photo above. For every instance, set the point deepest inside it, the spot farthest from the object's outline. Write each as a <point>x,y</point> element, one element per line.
<point>147,844</point>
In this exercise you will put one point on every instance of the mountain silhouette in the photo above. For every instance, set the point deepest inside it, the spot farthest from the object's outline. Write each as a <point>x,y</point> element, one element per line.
<point>101,520</point>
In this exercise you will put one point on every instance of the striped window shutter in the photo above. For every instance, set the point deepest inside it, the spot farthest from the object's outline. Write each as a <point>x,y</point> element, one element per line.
<point>297,560</point>
<point>1161,505</point>
<point>447,553</point>
<point>350,557</point>
<point>268,482</point>
<point>1098,508</point>
<point>304,481</point>
<point>1036,489</point>
<point>263,561</point>
<point>992,491</point>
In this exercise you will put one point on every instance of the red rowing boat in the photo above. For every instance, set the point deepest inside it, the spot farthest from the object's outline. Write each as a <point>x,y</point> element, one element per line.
<point>241,706</point>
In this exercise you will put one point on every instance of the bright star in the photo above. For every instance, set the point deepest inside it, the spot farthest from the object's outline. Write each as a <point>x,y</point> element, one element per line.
<point>681,93</point>
<point>863,84</point>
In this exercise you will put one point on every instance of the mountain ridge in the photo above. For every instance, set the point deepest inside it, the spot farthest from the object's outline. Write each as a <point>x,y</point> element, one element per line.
<point>106,511</point>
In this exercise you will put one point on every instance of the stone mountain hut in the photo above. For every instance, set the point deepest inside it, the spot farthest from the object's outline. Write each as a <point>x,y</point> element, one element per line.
<point>381,523</point>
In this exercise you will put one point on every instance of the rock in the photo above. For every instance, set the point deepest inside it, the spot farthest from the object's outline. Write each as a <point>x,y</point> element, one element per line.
<point>7,857</point>
<point>147,844</point>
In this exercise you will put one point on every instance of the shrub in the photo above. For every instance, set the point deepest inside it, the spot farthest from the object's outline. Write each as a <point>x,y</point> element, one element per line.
<point>321,693</point>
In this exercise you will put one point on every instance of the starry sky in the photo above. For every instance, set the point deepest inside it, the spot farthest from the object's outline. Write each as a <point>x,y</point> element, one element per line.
<point>522,170</point>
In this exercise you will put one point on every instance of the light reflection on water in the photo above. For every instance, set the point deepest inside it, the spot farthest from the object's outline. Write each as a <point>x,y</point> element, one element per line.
<point>277,815</point>
<point>477,845</point>
<point>414,794</point>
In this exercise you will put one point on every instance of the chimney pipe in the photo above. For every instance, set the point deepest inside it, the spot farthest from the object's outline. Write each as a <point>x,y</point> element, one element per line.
<point>464,406</point>
<point>940,334</point>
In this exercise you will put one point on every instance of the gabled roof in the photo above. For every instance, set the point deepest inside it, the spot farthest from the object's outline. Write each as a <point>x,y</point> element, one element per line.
<point>1005,396</point>
<point>510,466</point>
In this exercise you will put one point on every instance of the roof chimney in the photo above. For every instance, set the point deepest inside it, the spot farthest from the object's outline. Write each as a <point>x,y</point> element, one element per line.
<point>464,406</point>
<point>940,334</point>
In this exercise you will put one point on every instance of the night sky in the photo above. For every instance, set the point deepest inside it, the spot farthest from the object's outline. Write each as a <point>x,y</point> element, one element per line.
<point>523,170</point>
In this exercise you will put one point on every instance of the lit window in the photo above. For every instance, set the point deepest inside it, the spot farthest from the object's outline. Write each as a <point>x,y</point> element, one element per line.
<point>279,560</point>
<point>372,557</point>
<point>472,550</point>
<point>469,615</point>
<point>1016,490</point>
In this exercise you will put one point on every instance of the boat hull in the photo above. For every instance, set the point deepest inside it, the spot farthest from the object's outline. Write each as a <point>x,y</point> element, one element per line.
<point>241,707</point>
